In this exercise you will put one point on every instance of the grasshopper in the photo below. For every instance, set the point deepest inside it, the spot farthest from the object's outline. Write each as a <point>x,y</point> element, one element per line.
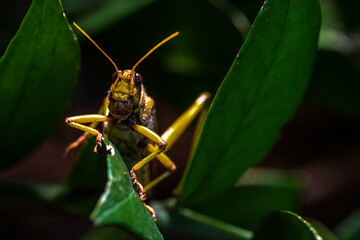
<point>129,121</point>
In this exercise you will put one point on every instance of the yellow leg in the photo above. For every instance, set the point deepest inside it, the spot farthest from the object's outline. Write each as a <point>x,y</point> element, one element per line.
<point>77,121</point>
<point>163,158</point>
<point>102,111</point>
<point>154,182</point>
<point>169,136</point>
<point>161,145</point>
<point>178,127</point>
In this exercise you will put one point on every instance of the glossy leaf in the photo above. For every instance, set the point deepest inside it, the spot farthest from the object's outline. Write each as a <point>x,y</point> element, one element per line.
<point>284,226</point>
<point>257,97</point>
<point>323,231</point>
<point>120,204</point>
<point>258,194</point>
<point>38,73</point>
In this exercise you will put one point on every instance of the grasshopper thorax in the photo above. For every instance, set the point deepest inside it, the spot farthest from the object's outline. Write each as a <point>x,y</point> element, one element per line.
<point>125,94</point>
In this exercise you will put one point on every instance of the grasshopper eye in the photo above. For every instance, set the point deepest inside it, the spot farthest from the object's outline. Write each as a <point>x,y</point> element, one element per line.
<point>138,78</point>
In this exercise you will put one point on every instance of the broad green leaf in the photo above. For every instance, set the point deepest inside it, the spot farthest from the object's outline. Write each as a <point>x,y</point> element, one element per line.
<point>120,204</point>
<point>284,226</point>
<point>260,193</point>
<point>258,96</point>
<point>38,72</point>
<point>322,230</point>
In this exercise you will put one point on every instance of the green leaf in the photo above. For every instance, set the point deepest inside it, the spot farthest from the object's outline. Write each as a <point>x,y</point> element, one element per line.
<point>120,204</point>
<point>38,73</point>
<point>284,226</point>
<point>260,193</point>
<point>257,97</point>
<point>323,231</point>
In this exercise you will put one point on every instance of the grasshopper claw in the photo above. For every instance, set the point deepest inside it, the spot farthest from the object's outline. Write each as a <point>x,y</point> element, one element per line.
<point>151,211</point>
<point>99,138</point>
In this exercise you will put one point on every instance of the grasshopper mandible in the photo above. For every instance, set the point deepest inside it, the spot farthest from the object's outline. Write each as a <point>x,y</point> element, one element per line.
<point>129,121</point>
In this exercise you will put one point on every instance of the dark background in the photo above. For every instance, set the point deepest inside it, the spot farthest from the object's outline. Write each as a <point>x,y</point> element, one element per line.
<point>322,141</point>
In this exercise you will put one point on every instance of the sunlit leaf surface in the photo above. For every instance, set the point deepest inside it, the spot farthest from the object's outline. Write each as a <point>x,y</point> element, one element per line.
<point>258,96</point>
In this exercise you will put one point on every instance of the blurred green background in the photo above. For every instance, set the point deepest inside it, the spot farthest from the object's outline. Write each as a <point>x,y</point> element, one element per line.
<point>322,141</point>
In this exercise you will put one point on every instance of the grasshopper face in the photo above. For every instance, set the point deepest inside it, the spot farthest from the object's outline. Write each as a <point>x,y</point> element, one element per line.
<point>125,93</point>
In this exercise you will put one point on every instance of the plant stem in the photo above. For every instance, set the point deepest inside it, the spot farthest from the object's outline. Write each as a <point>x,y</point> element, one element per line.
<point>215,223</point>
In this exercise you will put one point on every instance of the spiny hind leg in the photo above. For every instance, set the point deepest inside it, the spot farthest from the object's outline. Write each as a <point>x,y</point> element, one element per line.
<point>102,111</point>
<point>167,139</point>
<point>199,107</point>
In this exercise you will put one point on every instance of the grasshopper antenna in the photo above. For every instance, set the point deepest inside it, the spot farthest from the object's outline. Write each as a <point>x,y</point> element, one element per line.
<point>154,48</point>
<point>102,51</point>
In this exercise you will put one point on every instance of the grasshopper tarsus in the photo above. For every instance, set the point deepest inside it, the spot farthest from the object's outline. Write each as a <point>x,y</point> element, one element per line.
<point>151,211</point>
<point>99,138</point>
<point>141,193</point>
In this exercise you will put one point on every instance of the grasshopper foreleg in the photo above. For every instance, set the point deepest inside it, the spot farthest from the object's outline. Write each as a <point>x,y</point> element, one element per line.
<point>77,121</point>
<point>102,111</point>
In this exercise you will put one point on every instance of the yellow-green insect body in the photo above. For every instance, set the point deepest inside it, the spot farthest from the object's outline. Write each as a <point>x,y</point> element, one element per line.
<point>129,121</point>
<point>128,105</point>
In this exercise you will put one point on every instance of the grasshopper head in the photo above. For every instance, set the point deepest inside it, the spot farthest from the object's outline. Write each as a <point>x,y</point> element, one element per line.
<point>127,89</point>
<point>125,93</point>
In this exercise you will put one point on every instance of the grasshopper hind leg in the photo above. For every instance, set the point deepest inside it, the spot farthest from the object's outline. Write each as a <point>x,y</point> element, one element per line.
<point>167,139</point>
